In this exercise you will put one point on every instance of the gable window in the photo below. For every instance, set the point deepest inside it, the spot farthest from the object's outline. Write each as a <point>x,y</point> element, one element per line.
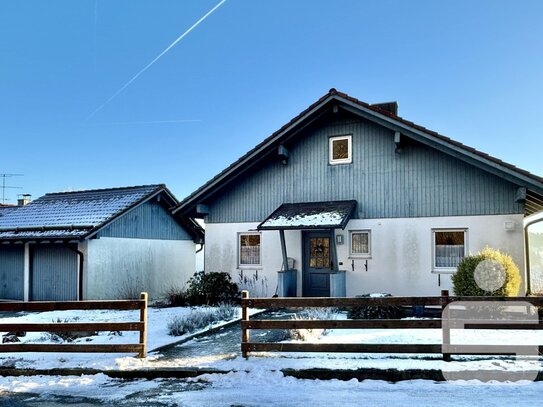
<point>449,248</point>
<point>340,150</point>
<point>249,249</point>
<point>360,243</point>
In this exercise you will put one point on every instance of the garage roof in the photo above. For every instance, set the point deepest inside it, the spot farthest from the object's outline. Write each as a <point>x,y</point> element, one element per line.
<point>76,214</point>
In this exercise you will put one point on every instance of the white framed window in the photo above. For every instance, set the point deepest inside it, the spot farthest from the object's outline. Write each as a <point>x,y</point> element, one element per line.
<point>449,247</point>
<point>360,243</point>
<point>249,249</point>
<point>340,150</point>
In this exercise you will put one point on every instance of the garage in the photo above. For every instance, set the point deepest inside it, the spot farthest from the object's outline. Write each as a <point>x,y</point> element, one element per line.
<point>53,273</point>
<point>12,272</point>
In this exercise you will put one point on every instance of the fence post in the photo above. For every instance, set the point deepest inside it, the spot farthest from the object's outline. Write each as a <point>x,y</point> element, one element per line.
<point>244,317</point>
<point>143,332</point>
<point>446,331</point>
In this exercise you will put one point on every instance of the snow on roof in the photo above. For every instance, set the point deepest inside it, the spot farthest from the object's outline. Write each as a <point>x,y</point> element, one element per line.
<point>70,214</point>
<point>5,209</point>
<point>334,214</point>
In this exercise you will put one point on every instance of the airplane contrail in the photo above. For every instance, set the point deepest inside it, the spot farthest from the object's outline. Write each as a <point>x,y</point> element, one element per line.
<point>148,122</point>
<point>173,44</point>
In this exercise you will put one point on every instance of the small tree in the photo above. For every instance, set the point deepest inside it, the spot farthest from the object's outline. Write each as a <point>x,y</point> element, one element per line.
<point>487,273</point>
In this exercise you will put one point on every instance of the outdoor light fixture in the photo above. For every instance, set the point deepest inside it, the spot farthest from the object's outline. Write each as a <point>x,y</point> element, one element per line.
<point>339,239</point>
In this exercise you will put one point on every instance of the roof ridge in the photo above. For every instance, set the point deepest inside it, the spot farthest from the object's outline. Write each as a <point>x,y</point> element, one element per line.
<point>442,137</point>
<point>155,186</point>
<point>334,93</point>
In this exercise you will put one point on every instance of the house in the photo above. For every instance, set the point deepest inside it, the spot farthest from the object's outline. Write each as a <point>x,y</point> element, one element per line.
<point>95,244</point>
<point>357,200</point>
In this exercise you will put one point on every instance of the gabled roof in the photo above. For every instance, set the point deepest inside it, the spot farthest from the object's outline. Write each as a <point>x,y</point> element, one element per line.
<point>385,117</point>
<point>78,214</point>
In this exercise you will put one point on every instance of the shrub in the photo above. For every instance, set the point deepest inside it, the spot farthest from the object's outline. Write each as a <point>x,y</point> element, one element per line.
<point>310,314</point>
<point>199,319</point>
<point>212,289</point>
<point>177,297</point>
<point>130,288</point>
<point>226,312</point>
<point>257,286</point>
<point>375,312</point>
<point>464,279</point>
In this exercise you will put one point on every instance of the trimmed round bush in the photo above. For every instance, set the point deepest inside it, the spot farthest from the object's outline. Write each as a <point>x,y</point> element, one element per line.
<point>487,273</point>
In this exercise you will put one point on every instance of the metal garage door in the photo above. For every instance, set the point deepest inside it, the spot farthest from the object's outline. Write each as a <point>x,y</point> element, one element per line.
<point>53,273</point>
<point>12,272</point>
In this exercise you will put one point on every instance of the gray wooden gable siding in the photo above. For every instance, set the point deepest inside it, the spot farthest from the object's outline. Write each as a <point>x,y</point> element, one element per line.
<point>146,221</point>
<point>418,182</point>
<point>12,272</point>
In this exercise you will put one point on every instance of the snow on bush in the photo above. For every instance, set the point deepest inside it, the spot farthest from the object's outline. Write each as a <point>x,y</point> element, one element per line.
<point>199,319</point>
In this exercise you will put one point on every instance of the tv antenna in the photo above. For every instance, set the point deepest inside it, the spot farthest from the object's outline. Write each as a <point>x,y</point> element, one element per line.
<point>4,186</point>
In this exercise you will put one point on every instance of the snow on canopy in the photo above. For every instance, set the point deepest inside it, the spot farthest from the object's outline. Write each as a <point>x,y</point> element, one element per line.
<point>70,214</point>
<point>333,214</point>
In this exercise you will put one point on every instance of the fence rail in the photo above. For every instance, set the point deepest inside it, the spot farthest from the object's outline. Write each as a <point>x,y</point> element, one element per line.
<point>42,306</point>
<point>445,324</point>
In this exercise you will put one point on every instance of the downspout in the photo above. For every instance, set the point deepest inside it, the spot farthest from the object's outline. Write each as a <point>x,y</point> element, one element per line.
<point>527,245</point>
<point>81,263</point>
<point>201,243</point>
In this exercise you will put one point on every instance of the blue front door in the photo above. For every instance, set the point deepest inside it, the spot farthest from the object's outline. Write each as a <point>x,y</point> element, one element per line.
<point>317,264</point>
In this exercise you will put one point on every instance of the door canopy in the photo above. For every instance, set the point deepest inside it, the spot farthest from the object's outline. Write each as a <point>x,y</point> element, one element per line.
<point>310,215</point>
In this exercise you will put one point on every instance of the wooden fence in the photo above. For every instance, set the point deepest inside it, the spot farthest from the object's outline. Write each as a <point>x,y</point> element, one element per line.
<point>439,302</point>
<point>42,306</point>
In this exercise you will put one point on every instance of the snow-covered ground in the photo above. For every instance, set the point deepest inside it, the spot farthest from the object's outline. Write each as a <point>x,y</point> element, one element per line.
<point>265,388</point>
<point>283,360</point>
<point>259,381</point>
<point>158,319</point>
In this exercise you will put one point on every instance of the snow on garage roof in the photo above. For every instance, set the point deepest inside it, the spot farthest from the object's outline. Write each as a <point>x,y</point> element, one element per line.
<point>72,214</point>
<point>310,215</point>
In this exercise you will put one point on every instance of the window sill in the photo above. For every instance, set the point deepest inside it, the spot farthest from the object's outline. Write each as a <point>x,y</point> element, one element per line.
<point>249,267</point>
<point>359,257</point>
<point>339,162</point>
<point>443,271</point>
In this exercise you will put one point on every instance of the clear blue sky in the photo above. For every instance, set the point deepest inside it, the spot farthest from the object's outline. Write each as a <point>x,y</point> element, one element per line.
<point>472,70</point>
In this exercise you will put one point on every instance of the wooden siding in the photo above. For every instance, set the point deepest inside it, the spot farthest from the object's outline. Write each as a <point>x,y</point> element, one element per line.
<point>420,181</point>
<point>12,272</point>
<point>149,220</point>
<point>53,273</point>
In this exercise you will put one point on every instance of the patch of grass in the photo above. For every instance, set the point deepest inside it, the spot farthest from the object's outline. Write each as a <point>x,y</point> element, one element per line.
<point>202,318</point>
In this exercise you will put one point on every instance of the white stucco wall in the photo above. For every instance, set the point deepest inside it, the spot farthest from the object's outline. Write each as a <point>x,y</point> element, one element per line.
<point>116,265</point>
<point>401,251</point>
